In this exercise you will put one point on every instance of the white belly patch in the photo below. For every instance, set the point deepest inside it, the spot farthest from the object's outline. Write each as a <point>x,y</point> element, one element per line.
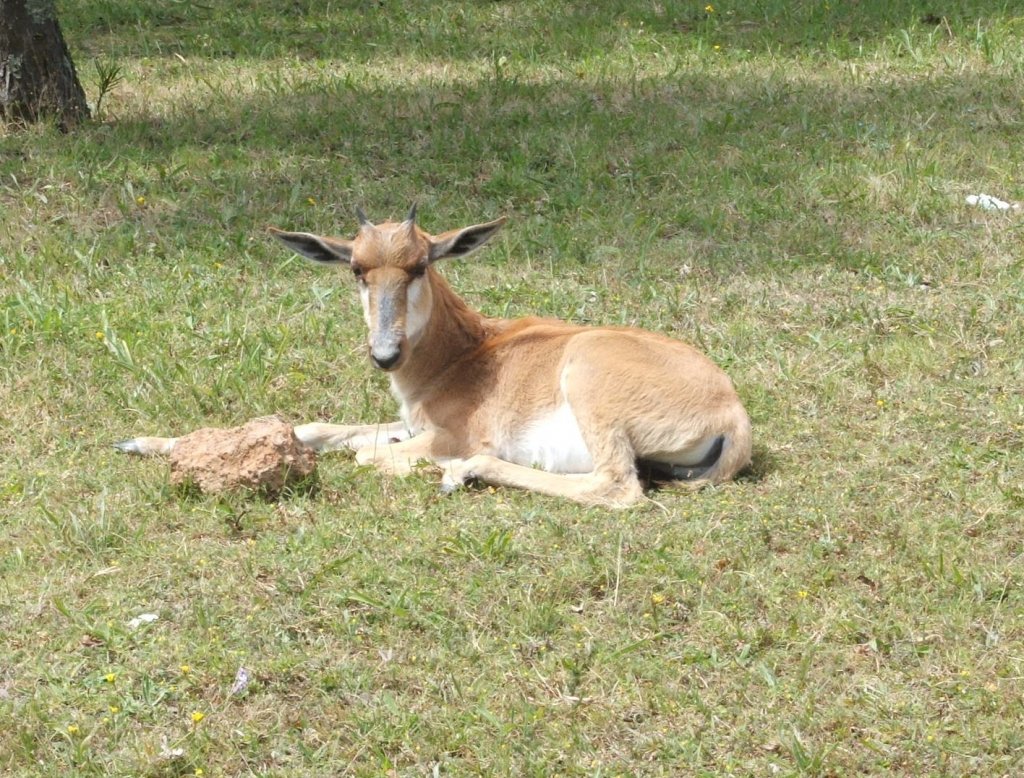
<point>552,442</point>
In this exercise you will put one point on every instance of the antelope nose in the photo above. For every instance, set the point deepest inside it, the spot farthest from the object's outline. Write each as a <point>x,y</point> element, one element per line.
<point>386,361</point>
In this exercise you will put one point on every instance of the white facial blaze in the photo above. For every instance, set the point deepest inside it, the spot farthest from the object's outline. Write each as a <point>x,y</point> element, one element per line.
<point>418,308</point>
<point>364,298</point>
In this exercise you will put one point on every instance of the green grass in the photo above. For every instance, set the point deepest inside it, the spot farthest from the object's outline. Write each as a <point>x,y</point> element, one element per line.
<point>781,183</point>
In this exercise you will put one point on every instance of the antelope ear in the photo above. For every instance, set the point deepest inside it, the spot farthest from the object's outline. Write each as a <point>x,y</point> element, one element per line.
<point>327,250</point>
<point>459,243</point>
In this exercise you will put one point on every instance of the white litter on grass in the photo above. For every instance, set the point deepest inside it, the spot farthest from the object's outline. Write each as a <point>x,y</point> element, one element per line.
<point>168,753</point>
<point>990,203</point>
<point>241,681</point>
<point>142,618</point>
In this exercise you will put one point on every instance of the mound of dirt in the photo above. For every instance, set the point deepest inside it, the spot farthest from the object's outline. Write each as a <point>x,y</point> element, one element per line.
<point>262,455</point>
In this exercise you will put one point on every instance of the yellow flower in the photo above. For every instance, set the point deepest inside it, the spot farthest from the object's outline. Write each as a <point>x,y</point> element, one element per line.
<point>709,8</point>
<point>186,669</point>
<point>72,729</point>
<point>140,200</point>
<point>657,598</point>
<point>110,677</point>
<point>99,336</point>
<point>114,709</point>
<point>802,594</point>
<point>311,201</point>
<point>199,771</point>
<point>197,716</point>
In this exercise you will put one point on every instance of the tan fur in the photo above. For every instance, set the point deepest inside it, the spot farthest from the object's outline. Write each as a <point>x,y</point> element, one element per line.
<point>473,387</point>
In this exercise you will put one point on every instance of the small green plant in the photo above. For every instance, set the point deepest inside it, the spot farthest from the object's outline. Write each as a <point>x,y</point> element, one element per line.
<point>109,76</point>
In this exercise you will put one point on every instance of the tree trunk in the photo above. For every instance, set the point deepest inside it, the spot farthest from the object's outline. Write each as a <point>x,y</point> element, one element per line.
<point>37,76</point>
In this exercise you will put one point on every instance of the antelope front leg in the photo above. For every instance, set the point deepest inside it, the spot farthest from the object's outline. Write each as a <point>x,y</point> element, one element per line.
<point>350,437</point>
<point>319,437</point>
<point>398,458</point>
<point>605,488</point>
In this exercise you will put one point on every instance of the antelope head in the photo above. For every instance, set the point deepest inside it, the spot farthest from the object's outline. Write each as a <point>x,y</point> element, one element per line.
<point>391,263</point>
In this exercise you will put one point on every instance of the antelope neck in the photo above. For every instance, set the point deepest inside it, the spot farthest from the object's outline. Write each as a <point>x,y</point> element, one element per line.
<point>454,330</point>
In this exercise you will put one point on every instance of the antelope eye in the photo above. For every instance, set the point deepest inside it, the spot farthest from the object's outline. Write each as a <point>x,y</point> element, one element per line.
<point>417,271</point>
<point>357,272</point>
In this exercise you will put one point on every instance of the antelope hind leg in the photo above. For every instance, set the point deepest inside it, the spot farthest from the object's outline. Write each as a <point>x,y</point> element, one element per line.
<point>596,488</point>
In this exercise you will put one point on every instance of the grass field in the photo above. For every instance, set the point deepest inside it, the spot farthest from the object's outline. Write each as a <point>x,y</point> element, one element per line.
<point>781,183</point>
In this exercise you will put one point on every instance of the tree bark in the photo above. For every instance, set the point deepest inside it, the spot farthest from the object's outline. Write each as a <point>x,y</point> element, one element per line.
<point>37,76</point>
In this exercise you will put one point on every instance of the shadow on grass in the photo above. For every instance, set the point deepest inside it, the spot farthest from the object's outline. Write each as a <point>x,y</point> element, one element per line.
<point>365,30</point>
<point>740,172</point>
<point>229,501</point>
<point>763,463</point>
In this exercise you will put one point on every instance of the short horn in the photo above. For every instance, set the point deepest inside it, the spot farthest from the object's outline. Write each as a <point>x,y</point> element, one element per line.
<point>363,221</point>
<point>411,218</point>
